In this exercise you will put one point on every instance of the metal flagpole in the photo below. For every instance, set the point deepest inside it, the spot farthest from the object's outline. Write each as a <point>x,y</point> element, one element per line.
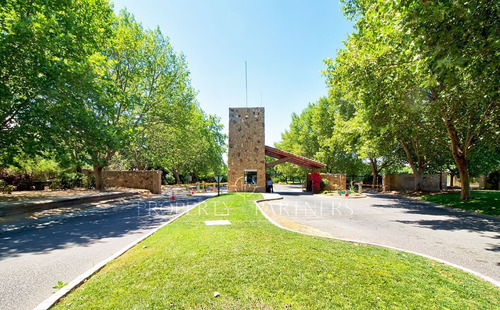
<point>246,83</point>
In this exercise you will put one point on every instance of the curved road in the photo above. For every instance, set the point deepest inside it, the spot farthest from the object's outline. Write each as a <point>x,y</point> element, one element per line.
<point>459,237</point>
<point>34,259</point>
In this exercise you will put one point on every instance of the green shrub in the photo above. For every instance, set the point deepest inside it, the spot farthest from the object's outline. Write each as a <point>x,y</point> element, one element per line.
<point>39,169</point>
<point>21,181</point>
<point>168,178</point>
<point>6,188</point>
<point>55,184</point>
<point>88,181</point>
<point>67,180</point>
<point>324,183</point>
<point>71,180</point>
<point>493,180</point>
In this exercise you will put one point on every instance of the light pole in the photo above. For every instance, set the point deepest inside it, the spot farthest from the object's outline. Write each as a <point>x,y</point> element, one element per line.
<point>218,179</point>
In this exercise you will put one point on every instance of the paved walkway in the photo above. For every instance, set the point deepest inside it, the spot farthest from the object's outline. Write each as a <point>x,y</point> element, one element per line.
<point>34,259</point>
<point>459,237</point>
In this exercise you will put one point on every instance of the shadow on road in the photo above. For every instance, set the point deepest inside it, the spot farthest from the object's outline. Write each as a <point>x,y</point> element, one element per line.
<point>290,193</point>
<point>290,190</point>
<point>455,220</point>
<point>88,228</point>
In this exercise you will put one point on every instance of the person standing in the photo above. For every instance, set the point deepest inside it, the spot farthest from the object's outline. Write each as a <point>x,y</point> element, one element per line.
<point>269,184</point>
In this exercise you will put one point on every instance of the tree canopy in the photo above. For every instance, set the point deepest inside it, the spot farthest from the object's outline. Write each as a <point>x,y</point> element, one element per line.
<point>416,83</point>
<point>88,87</point>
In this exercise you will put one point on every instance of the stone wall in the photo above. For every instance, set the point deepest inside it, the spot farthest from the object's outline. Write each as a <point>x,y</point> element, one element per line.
<point>335,181</point>
<point>148,179</point>
<point>430,182</point>
<point>488,182</point>
<point>246,149</point>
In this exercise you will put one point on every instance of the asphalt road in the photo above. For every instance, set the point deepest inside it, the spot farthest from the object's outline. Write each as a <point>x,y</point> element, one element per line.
<point>459,237</point>
<point>34,259</point>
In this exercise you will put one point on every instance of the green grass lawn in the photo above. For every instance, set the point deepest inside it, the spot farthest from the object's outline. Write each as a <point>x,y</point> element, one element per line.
<point>483,201</point>
<point>254,264</point>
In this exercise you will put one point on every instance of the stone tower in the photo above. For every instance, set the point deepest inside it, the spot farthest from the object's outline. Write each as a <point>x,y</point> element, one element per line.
<point>246,158</point>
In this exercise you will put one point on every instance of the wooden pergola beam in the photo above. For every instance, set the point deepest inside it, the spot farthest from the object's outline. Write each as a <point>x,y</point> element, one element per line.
<point>277,162</point>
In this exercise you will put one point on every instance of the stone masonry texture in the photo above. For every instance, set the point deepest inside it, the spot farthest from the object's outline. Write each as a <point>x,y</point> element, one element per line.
<point>335,181</point>
<point>149,179</point>
<point>431,182</point>
<point>246,149</point>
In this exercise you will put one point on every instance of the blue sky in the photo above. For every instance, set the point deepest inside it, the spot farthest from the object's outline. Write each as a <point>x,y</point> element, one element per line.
<point>283,42</point>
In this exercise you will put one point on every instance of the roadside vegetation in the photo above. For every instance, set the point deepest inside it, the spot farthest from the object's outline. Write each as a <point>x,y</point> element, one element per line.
<point>254,264</point>
<point>482,201</point>
<point>414,86</point>
<point>82,87</point>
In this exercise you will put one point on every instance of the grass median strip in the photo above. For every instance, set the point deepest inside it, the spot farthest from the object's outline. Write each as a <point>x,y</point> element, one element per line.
<point>482,201</point>
<point>254,264</point>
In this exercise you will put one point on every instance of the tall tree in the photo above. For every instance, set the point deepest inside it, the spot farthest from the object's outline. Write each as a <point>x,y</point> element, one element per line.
<point>460,42</point>
<point>451,47</point>
<point>380,71</point>
<point>143,79</point>
<point>46,67</point>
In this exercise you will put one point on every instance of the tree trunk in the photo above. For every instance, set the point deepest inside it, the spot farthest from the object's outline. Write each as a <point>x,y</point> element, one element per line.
<point>177,177</point>
<point>416,174</point>
<point>452,176</point>
<point>419,177</point>
<point>460,157</point>
<point>373,163</point>
<point>139,166</point>
<point>99,182</point>
<point>464,182</point>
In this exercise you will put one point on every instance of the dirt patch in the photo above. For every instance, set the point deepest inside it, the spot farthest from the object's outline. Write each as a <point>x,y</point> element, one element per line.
<point>47,194</point>
<point>356,195</point>
<point>267,208</point>
<point>414,194</point>
<point>73,209</point>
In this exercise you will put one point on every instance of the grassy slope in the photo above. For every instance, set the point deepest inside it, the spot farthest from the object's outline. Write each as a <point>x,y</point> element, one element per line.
<point>487,202</point>
<point>254,264</point>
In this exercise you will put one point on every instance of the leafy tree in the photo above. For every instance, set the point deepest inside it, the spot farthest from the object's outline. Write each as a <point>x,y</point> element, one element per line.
<point>84,86</point>
<point>449,49</point>
<point>198,149</point>
<point>46,68</point>
<point>379,70</point>
<point>143,84</point>
<point>300,139</point>
<point>335,136</point>
<point>311,134</point>
<point>460,42</point>
<point>289,171</point>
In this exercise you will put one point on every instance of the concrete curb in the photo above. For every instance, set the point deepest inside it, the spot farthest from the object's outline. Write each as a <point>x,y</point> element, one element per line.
<point>475,273</point>
<point>49,302</point>
<point>271,196</point>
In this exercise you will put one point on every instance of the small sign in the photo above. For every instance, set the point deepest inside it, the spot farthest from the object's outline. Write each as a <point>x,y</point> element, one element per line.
<point>217,223</point>
<point>218,178</point>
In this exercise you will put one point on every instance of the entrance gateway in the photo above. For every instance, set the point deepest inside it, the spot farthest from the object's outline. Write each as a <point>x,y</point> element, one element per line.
<point>246,157</point>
